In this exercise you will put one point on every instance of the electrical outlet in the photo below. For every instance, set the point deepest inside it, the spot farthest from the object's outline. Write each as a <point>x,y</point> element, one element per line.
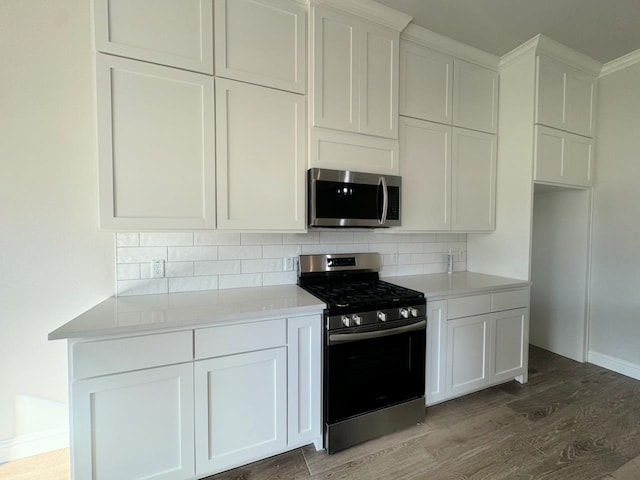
<point>288,264</point>
<point>157,268</point>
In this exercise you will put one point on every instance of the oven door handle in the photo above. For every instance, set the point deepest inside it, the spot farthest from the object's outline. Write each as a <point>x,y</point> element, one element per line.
<point>353,337</point>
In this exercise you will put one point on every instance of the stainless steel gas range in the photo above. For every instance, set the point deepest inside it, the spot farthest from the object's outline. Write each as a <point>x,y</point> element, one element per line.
<point>374,348</point>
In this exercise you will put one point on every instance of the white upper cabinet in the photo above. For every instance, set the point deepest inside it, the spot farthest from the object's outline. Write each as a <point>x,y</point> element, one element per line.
<point>168,32</point>
<point>155,146</point>
<point>261,42</point>
<point>475,97</point>
<point>425,166</point>
<point>565,97</point>
<point>355,72</point>
<point>473,190</point>
<point>426,83</point>
<point>260,157</point>
<point>563,158</point>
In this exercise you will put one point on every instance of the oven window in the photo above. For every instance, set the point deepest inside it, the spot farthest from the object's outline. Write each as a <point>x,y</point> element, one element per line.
<point>366,375</point>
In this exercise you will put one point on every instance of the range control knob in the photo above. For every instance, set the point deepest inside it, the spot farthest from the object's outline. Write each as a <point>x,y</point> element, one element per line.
<point>382,316</point>
<point>357,319</point>
<point>346,321</point>
<point>413,312</point>
<point>404,313</point>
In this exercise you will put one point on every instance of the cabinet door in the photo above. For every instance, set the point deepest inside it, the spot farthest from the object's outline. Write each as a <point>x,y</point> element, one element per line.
<point>304,381</point>
<point>379,80</point>
<point>425,166</point>
<point>134,425</point>
<point>578,159</point>
<point>473,181</point>
<point>565,97</point>
<point>580,96</point>
<point>562,157</point>
<point>468,344</point>
<point>260,157</point>
<point>240,409</point>
<point>155,146</point>
<point>335,66</point>
<point>550,106</point>
<point>475,97</point>
<point>426,83</point>
<point>261,42</point>
<point>177,33</point>
<point>509,344</point>
<point>436,351</point>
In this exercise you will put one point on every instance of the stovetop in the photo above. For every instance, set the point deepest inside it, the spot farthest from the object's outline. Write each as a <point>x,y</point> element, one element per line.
<point>365,295</point>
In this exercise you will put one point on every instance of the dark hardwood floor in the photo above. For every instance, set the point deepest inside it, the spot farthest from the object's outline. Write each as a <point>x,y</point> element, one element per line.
<point>570,421</point>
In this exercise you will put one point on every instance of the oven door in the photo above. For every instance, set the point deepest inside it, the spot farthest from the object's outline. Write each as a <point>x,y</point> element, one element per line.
<point>373,369</point>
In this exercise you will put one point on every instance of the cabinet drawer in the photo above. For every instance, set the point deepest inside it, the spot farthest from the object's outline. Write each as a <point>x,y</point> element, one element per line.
<point>467,306</point>
<point>91,359</point>
<point>244,337</point>
<point>509,300</point>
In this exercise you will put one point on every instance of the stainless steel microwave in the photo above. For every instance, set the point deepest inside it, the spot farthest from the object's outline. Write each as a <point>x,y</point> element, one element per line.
<point>340,198</point>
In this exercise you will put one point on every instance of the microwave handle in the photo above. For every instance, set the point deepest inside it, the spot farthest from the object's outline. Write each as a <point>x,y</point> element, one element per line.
<point>385,200</point>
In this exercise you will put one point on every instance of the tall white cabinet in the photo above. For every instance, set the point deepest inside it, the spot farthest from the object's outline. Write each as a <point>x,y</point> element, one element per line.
<point>448,125</point>
<point>160,167</point>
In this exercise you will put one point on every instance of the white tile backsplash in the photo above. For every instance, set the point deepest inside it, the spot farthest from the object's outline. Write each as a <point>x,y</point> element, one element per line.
<point>209,260</point>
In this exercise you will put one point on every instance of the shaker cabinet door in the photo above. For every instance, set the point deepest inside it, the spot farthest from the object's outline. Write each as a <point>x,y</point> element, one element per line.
<point>176,33</point>
<point>262,42</point>
<point>473,181</point>
<point>260,157</point>
<point>425,166</point>
<point>155,146</point>
<point>475,97</point>
<point>426,83</point>
<point>378,81</point>
<point>468,354</point>
<point>134,425</point>
<point>240,409</point>
<point>336,73</point>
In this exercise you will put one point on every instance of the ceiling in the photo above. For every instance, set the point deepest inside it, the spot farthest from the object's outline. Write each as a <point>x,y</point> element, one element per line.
<point>602,29</point>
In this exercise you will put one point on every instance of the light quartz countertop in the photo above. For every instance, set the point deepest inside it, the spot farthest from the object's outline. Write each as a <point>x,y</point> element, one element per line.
<point>140,314</point>
<point>437,286</point>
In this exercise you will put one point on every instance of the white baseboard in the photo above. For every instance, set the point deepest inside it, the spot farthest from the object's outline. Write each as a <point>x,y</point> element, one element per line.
<point>35,443</point>
<point>616,364</point>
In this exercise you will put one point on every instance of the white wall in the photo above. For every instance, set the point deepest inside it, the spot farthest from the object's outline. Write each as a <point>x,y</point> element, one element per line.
<point>54,264</point>
<point>615,275</point>
<point>559,271</point>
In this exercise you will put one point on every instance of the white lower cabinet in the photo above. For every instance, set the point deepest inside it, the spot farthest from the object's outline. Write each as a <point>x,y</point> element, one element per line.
<point>134,425</point>
<point>241,408</point>
<point>476,341</point>
<point>192,403</point>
